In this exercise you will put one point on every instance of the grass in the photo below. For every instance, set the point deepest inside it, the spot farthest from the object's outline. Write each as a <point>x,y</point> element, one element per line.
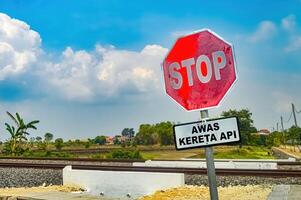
<point>220,152</point>
<point>246,152</point>
<point>169,153</point>
<point>166,155</point>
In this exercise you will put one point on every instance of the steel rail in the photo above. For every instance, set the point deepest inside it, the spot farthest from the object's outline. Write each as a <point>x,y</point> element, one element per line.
<point>130,160</point>
<point>73,159</point>
<point>200,171</point>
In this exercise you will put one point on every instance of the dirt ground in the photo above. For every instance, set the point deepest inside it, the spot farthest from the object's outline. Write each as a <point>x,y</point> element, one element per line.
<point>292,150</point>
<point>182,193</point>
<point>23,191</point>
<point>202,193</point>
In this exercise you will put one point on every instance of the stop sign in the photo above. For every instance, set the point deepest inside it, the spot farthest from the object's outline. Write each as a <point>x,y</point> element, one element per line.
<point>199,70</point>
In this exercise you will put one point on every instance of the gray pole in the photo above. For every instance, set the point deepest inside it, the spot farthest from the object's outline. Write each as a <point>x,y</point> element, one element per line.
<point>277,127</point>
<point>210,165</point>
<point>294,114</point>
<point>282,128</point>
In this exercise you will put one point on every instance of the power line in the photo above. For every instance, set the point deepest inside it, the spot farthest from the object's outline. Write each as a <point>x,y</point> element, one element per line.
<point>297,111</point>
<point>286,121</point>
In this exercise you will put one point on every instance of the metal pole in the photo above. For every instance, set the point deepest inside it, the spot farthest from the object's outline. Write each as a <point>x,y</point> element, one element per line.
<point>282,130</point>
<point>210,165</point>
<point>294,114</point>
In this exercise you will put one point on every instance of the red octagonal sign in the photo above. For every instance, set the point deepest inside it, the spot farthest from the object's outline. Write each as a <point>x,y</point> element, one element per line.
<point>199,70</point>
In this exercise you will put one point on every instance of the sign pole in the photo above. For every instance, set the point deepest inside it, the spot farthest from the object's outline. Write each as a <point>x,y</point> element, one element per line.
<point>210,165</point>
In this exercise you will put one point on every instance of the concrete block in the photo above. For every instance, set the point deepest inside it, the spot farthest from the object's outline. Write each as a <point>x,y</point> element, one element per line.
<point>202,164</point>
<point>121,184</point>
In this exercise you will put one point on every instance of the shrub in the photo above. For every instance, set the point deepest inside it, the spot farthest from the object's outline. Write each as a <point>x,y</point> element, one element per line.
<point>125,154</point>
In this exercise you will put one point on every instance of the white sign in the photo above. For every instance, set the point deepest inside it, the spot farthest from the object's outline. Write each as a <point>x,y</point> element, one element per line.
<point>206,133</point>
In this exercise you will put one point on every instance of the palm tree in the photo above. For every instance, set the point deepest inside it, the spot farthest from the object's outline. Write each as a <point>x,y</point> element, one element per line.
<point>19,133</point>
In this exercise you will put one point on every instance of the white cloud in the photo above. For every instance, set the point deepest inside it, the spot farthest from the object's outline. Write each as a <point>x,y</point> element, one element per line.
<point>289,23</point>
<point>19,46</point>
<point>294,45</point>
<point>78,74</point>
<point>264,31</point>
<point>104,72</point>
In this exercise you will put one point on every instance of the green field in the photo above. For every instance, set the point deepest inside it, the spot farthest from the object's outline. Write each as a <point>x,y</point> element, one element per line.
<point>226,152</point>
<point>157,152</point>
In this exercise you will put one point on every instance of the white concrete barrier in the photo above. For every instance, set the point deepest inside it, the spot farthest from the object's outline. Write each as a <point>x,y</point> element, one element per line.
<point>202,164</point>
<point>243,160</point>
<point>119,184</point>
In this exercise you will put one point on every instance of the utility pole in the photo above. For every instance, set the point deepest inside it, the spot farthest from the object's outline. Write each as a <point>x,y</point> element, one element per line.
<point>277,127</point>
<point>281,120</point>
<point>294,114</point>
<point>282,130</point>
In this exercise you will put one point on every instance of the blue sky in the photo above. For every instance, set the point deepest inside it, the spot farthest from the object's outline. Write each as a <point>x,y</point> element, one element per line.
<point>93,67</point>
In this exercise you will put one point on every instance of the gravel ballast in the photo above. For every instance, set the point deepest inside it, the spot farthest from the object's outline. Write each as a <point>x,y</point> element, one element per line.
<point>191,179</point>
<point>29,177</point>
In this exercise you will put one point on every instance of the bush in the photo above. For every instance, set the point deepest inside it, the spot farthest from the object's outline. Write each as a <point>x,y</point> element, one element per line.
<point>87,145</point>
<point>124,154</point>
<point>48,154</point>
<point>59,143</point>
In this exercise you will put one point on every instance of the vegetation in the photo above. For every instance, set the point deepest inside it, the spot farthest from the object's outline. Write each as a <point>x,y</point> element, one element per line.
<point>125,154</point>
<point>128,132</point>
<point>246,152</point>
<point>18,134</point>
<point>101,140</point>
<point>48,137</point>
<point>245,123</point>
<point>59,143</point>
<point>294,135</point>
<point>152,141</point>
<point>160,133</point>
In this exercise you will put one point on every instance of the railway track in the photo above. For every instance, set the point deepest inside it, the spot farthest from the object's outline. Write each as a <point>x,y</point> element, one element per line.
<point>71,159</point>
<point>122,160</point>
<point>200,171</point>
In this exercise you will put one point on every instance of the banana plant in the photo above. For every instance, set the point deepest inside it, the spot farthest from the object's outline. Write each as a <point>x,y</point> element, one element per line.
<point>18,133</point>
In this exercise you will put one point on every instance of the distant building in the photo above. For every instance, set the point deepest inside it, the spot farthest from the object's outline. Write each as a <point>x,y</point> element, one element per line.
<point>121,139</point>
<point>109,140</point>
<point>263,132</point>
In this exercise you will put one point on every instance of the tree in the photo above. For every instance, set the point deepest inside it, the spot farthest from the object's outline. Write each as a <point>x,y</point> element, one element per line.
<point>38,139</point>
<point>18,134</point>
<point>274,139</point>
<point>245,121</point>
<point>294,134</point>
<point>153,134</point>
<point>165,133</point>
<point>116,141</point>
<point>87,144</point>
<point>59,143</point>
<point>101,140</point>
<point>48,137</point>
<point>146,135</point>
<point>128,132</point>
